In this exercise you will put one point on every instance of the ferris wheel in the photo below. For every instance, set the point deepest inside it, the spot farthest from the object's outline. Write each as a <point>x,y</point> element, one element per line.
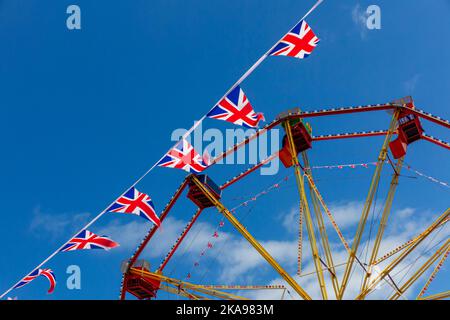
<point>315,216</point>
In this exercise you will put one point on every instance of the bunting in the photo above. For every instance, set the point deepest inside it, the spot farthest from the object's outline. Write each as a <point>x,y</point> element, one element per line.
<point>298,43</point>
<point>87,240</point>
<point>138,203</point>
<point>236,108</point>
<point>183,156</point>
<point>47,273</point>
<point>233,107</point>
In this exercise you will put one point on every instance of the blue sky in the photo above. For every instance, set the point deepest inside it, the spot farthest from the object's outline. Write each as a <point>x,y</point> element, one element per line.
<point>86,112</point>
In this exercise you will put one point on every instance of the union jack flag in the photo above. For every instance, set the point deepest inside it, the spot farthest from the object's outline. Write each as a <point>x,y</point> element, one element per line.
<point>236,108</point>
<point>88,240</point>
<point>183,156</point>
<point>48,273</point>
<point>299,42</point>
<point>135,202</point>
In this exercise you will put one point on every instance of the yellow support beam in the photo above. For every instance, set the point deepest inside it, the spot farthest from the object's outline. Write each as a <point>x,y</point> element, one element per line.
<point>307,213</point>
<point>300,240</point>
<point>403,255</point>
<point>328,212</point>
<point>238,287</point>
<point>368,204</point>
<point>222,209</point>
<point>442,250</point>
<point>185,285</point>
<point>383,221</point>
<point>401,247</point>
<point>182,292</point>
<point>437,296</point>
<point>321,224</point>
<point>433,274</point>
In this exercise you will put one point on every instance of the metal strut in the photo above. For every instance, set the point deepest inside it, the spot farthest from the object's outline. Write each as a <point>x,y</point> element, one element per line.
<point>181,285</point>
<point>441,251</point>
<point>222,209</point>
<point>300,240</point>
<point>402,246</point>
<point>321,224</point>
<point>403,255</point>
<point>437,296</point>
<point>151,233</point>
<point>368,204</point>
<point>179,240</point>
<point>307,213</point>
<point>383,221</point>
<point>433,274</point>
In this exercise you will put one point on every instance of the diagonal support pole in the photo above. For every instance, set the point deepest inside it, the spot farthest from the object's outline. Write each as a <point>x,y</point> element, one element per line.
<point>368,204</point>
<point>383,221</point>
<point>185,285</point>
<point>402,246</point>
<point>306,211</point>
<point>443,250</point>
<point>222,209</point>
<point>321,224</point>
<point>179,240</point>
<point>300,240</point>
<point>437,296</point>
<point>433,274</point>
<point>436,224</point>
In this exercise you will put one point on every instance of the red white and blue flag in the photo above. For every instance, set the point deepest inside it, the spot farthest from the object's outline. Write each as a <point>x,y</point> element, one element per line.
<point>86,240</point>
<point>48,273</point>
<point>183,156</point>
<point>299,42</point>
<point>236,108</point>
<point>138,203</point>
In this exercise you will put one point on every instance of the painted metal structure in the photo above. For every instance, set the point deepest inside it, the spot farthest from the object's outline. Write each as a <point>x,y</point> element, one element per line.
<point>405,125</point>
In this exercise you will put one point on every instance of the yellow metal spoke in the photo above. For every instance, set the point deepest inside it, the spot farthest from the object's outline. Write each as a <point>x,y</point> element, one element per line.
<point>185,285</point>
<point>307,213</point>
<point>322,229</point>
<point>437,296</point>
<point>286,276</point>
<point>442,250</point>
<point>368,204</point>
<point>383,221</point>
<point>433,274</point>
<point>403,255</point>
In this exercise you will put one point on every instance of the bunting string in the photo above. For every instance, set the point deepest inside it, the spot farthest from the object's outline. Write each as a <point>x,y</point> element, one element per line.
<point>133,202</point>
<point>367,164</point>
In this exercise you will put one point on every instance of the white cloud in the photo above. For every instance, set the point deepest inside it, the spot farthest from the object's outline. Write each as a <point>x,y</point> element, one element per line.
<point>241,258</point>
<point>51,225</point>
<point>359,17</point>
<point>346,214</point>
<point>240,263</point>
<point>130,235</point>
<point>290,221</point>
<point>410,85</point>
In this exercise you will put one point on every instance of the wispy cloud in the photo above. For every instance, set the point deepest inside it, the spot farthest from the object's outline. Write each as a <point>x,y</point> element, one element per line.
<point>410,85</point>
<point>241,260</point>
<point>51,225</point>
<point>346,214</point>
<point>359,17</point>
<point>130,234</point>
<point>241,263</point>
